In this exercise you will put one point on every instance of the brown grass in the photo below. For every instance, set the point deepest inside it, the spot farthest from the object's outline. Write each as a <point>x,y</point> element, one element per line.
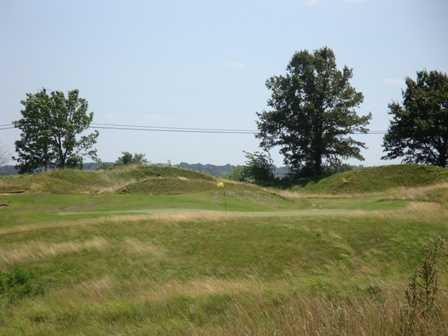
<point>319,316</point>
<point>40,249</point>
<point>135,246</point>
<point>201,287</point>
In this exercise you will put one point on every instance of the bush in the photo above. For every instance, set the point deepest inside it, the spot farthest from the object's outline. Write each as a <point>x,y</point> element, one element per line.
<point>128,158</point>
<point>18,284</point>
<point>259,169</point>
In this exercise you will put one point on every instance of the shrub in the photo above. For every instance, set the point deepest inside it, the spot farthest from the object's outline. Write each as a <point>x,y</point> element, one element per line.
<point>18,284</point>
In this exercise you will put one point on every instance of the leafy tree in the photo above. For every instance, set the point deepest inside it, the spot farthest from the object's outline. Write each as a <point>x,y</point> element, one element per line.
<point>237,173</point>
<point>259,168</point>
<point>51,128</point>
<point>312,113</point>
<point>419,129</point>
<point>128,158</point>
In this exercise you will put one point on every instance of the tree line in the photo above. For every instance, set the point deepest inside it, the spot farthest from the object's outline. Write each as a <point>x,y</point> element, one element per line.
<point>311,116</point>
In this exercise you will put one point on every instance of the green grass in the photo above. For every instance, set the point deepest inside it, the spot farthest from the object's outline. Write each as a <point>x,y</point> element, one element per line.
<point>173,258</point>
<point>377,179</point>
<point>78,181</point>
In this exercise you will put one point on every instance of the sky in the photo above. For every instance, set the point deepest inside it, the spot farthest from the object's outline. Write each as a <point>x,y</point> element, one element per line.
<point>203,63</point>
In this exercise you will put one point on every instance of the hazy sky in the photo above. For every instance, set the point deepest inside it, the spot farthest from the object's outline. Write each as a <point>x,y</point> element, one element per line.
<point>204,63</point>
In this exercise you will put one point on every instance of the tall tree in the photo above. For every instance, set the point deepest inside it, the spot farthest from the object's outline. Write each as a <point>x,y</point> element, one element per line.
<point>312,113</point>
<point>419,129</point>
<point>52,131</point>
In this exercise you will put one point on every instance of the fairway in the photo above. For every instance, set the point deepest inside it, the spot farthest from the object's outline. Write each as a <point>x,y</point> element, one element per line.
<point>232,260</point>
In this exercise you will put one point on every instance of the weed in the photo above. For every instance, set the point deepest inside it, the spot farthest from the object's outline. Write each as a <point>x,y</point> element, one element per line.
<point>422,291</point>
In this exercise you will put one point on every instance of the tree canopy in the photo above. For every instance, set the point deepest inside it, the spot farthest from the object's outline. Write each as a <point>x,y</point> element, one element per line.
<point>52,131</point>
<point>129,158</point>
<point>419,128</point>
<point>312,114</point>
<point>258,168</point>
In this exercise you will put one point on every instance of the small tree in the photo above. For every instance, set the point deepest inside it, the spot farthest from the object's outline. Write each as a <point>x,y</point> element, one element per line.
<point>128,158</point>
<point>259,168</point>
<point>312,113</point>
<point>51,128</point>
<point>419,129</point>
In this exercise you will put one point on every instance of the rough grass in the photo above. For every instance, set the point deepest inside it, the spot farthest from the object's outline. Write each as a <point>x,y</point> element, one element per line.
<point>78,181</point>
<point>235,261</point>
<point>379,179</point>
<point>378,314</point>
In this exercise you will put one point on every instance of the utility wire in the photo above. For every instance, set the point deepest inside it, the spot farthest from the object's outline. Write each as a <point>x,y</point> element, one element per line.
<point>175,130</point>
<point>171,128</point>
<point>148,128</point>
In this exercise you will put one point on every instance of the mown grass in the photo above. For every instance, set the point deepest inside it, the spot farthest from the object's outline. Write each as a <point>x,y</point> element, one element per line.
<point>234,261</point>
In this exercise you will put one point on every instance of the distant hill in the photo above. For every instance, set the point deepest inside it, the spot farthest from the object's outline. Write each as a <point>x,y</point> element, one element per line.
<point>8,170</point>
<point>210,169</point>
<point>223,170</point>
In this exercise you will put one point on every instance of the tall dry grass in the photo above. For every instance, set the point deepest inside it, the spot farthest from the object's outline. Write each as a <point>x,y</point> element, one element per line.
<point>421,311</point>
<point>321,316</point>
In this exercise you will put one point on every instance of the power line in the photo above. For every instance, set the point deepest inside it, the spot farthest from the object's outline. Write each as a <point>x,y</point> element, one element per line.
<point>175,130</point>
<point>171,129</point>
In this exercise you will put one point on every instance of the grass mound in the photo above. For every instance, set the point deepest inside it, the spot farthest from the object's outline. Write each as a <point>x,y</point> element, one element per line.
<point>169,185</point>
<point>67,181</point>
<point>377,179</point>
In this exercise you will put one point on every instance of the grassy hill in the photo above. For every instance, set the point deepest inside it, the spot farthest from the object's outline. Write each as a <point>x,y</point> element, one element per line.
<point>81,181</point>
<point>163,251</point>
<point>377,179</point>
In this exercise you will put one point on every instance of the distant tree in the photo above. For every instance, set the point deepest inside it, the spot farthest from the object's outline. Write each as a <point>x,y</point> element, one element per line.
<point>3,157</point>
<point>312,113</point>
<point>128,158</point>
<point>51,128</point>
<point>419,129</point>
<point>259,168</point>
<point>237,173</point>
